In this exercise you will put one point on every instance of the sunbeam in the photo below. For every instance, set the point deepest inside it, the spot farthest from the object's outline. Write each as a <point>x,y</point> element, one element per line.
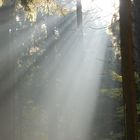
<point>51,75</point>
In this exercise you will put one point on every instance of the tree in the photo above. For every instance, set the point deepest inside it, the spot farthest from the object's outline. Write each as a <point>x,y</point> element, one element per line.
<point>127,53</point>
<point>79,13</point>
<point>7,96</point>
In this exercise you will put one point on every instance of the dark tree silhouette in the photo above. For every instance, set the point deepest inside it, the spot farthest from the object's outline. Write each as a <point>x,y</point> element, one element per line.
<point>79,13</point>
<point>127,52</point>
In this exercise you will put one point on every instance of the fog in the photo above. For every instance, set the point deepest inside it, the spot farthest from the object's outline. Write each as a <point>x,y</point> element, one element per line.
<point>52,73</point>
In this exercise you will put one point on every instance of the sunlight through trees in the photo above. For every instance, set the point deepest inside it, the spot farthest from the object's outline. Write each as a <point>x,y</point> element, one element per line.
<point>69,70</point>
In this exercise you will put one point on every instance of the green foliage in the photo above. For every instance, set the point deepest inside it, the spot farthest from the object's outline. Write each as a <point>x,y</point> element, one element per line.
<point>138,108</point>
<point>32,7</point>
<point>137,77</point>
<point>116,77</point>
<point>120,112</point>
<point>138,86</point>
<point>112,92</point>
<point>114,32</point>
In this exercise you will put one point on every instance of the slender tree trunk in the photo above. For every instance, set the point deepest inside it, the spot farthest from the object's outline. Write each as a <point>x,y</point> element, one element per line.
<point>79,13</point>
<point>7,107</point>
<point>127,52</point>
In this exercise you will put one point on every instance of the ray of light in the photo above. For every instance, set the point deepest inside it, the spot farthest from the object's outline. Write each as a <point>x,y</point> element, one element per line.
<point>70,81</point>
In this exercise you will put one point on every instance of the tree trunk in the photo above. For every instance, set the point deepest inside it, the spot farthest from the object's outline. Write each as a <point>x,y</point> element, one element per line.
<point>7,98</point>
<point>79,13</point>
<point>127,52</point>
